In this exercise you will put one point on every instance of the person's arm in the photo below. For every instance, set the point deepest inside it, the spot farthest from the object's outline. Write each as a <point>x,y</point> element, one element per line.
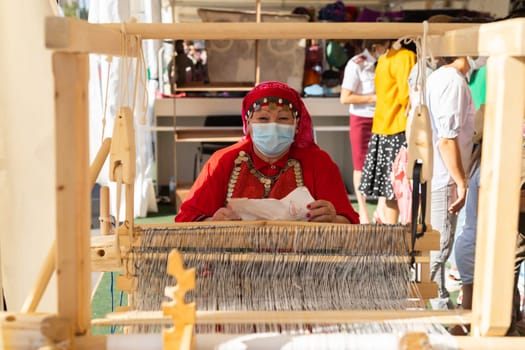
<point>349,97</point>
<point>208,193</point>
<point>446,109</point>
<point>350,84</point>
<point>332,203</point>
<point>450,153</point>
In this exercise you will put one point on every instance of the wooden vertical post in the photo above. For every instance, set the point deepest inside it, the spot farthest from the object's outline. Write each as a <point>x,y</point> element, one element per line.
<point>175,177</point>
<point>71,72</point>
<point>257,44</point>
<point>499,196</point>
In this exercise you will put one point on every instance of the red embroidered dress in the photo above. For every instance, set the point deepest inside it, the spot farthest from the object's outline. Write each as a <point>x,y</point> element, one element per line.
<point>318,173</point>
<point>248,182</point>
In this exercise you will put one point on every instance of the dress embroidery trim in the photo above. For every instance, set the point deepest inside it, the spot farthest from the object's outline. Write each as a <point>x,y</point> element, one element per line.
<point>266,181</point>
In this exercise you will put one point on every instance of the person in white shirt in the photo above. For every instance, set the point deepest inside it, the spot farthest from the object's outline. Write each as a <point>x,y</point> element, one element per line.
<point>451,108</point>
<point>358,91</point>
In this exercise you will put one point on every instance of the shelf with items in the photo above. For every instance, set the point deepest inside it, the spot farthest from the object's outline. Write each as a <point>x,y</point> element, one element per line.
<point>233,64</point>
<point>196,86</point>
<point>188,128</point>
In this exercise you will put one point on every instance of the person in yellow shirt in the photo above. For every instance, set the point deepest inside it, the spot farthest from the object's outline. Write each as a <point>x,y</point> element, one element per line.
<point>358,91</point>
<point>388,129</point>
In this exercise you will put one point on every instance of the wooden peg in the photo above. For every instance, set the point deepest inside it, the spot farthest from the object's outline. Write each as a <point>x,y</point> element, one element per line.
<point>57,331</point>
<point>127,284</point>
<point>104,218</point>
<point>415,341</point>
<point>122,152</point>
<point>180,336</point>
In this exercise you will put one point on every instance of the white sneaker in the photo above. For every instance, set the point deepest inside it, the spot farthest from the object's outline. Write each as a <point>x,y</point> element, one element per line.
<point>440,304</point>
<point>452,284</point>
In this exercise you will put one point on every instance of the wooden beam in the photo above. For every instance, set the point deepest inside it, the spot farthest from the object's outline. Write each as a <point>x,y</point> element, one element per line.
<point>430,240</point>
<point>71,72</point>
<point>290,30</point>
<point>288,317</point>
<point>499,195</point>
<point>74,35</point>
<point>490,343</point>
<point>100,342</point>
<point>154,342</point>
<point>505,37</point>
<point>33,331</point>
<point>445,39</point>
<point>105,254</point>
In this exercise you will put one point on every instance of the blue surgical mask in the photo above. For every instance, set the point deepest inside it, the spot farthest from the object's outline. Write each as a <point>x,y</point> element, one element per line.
<point>272,139</point>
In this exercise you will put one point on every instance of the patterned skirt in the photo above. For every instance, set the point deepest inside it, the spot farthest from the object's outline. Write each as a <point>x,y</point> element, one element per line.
<point>382,151</point>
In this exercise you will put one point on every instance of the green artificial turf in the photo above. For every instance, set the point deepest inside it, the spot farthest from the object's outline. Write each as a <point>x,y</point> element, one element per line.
<point>106,299</point>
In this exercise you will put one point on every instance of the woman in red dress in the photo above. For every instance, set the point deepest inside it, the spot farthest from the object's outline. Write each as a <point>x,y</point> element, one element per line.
<point>277,155</point>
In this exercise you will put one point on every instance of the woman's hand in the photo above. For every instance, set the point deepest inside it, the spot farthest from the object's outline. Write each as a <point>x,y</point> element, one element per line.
<point>321,211</point>
<point>224,214</point>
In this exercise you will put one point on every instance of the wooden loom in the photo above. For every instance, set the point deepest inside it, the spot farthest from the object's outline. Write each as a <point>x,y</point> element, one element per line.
<point>499,193</point>
<point>238,239</point>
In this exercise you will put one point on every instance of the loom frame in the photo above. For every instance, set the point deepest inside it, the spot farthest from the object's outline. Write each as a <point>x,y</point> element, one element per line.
<point>109,253</point>
<point>72,40</point>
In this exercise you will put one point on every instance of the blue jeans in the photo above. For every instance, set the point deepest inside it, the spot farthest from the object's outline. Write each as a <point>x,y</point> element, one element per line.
<point>465,246</point>
<point>445,223</point>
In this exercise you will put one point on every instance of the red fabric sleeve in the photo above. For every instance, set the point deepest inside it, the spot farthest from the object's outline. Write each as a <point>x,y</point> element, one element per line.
<point>208,192</point>
<point>324,181</point>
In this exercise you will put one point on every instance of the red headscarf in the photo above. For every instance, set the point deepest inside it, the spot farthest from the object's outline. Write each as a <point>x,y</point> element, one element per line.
<point>304,136</point>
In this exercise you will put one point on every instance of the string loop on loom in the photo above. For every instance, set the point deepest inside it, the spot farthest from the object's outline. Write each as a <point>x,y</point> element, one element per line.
<point>122,82</point>
<point>140,79</point>
<point>123,152</point>
<point>421,57</point>
<point>109,59</point>
<point>419,139</point>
